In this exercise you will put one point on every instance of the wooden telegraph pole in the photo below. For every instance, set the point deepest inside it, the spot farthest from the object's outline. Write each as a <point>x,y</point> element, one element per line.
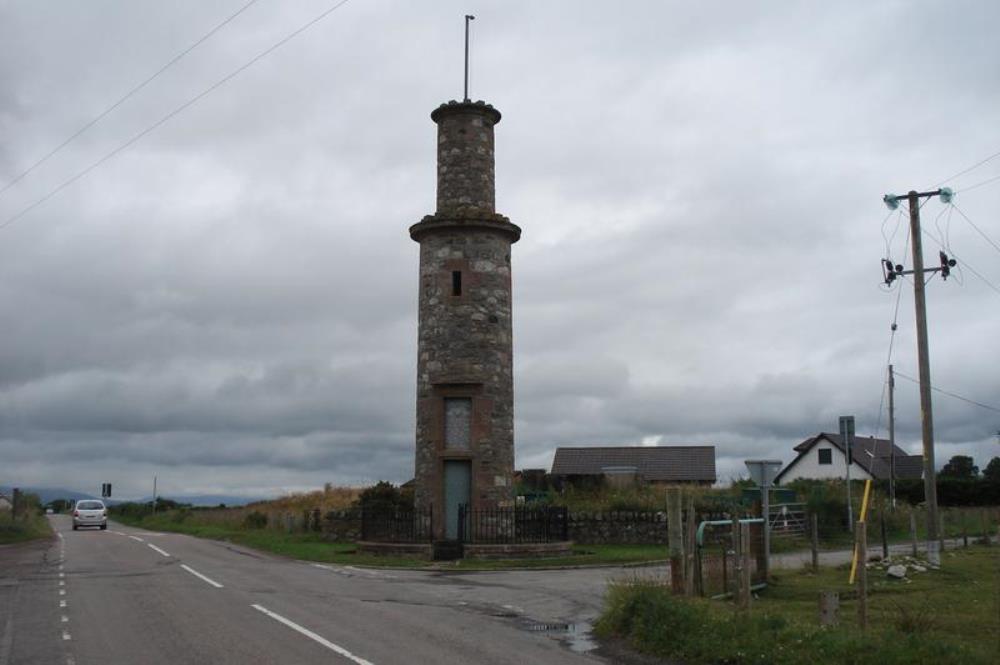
<point>923,355</point>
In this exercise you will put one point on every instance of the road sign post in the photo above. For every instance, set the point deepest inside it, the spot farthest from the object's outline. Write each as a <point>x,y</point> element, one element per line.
<point>763,473</point>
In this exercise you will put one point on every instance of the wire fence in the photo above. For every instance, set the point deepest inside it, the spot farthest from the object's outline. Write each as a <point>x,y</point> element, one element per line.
<point>718,563</point>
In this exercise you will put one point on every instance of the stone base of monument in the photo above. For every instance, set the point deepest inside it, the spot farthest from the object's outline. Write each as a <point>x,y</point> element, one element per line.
<point>426,551</point>
<point>407,550</point>
<point>518,551</point>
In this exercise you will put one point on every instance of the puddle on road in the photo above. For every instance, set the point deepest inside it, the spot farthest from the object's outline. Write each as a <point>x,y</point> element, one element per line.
<point>575,636</point>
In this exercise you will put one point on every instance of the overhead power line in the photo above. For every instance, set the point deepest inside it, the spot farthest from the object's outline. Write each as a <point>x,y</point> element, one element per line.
<point>950,394</point>
<point>201,95</point>
<point>978,230</point>
<point>980,184</point>
<point>962,262</point>
<point>121,100</point>
<point>971,168</point>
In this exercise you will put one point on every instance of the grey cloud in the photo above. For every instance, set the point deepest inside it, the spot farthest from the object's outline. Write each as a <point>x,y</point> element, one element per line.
<point>231,302</point>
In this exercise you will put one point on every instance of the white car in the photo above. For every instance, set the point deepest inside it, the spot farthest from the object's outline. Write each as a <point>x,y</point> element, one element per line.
<point>90,512</point>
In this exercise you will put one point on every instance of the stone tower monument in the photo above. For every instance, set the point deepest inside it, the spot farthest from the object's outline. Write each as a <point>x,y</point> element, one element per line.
<point>465,391</point>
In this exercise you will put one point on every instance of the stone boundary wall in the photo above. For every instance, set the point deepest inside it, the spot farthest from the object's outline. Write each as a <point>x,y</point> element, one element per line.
<point>342,526</point>
<point>585,527</point>
<point>618,528</point>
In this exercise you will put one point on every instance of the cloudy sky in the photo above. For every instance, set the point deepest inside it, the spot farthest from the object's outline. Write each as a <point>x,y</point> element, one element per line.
<point>230,302</point>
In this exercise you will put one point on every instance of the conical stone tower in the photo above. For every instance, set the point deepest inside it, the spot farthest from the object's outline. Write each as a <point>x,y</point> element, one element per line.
<point>465,392</point>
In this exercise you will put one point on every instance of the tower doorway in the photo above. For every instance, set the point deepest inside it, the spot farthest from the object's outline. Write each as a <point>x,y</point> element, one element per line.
<point>457,492</point>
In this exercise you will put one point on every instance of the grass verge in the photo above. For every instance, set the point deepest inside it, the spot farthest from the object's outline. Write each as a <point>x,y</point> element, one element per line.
<point>28,528</point>
<point>312,547</point>
<point>940,617</point>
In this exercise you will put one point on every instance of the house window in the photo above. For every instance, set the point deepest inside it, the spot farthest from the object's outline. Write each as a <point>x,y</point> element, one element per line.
<point>456,282</point>
<point>825,456</point>
<point>457,422</point>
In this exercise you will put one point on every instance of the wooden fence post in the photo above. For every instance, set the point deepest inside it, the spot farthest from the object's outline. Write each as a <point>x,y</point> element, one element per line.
<point>829,606</point>
<point>745,561</point>
<point>885,543</point>
<point>862,540</point>
<point>983,523</point>
<point>814,542</point>
<point>736,559</point>
<point>913,531</point>
<point>941,530</point>
<point>689,547</point>
<point>675,539</point>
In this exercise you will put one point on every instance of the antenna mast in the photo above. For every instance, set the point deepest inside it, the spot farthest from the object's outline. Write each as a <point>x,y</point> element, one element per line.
<point>468,17</point>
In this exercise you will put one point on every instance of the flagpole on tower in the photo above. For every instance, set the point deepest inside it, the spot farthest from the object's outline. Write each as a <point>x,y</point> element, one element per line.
<point>468,17</point>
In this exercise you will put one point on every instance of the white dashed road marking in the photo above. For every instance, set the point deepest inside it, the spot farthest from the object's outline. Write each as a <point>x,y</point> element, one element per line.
<point>66,635</point>
<point>62,603</point>
<point>157,549</point>
<point>313,636</point>
<point>200,576</point>
<point>137,539</point>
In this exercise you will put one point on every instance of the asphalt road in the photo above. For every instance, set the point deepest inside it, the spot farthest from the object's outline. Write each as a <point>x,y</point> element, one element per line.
<point>128,596</point>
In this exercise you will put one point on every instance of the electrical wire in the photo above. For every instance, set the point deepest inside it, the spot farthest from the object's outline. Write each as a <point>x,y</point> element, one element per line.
<point>892,338</point>
<point>962,262</point>
<point>121,100</point>
<point>979,184</point>
<point>971,168</point>
<point>949,394</point>
<point>204,93</point>
<point>978,230</point>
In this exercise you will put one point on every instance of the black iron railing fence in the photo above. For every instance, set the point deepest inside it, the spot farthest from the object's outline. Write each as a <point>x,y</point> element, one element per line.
<point>397,526</point>
<point>512,525</point>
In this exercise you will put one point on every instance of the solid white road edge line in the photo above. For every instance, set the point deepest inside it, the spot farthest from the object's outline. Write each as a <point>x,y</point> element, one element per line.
<point>157,549</point>
<point>200,576</point>
<point>313,636</point>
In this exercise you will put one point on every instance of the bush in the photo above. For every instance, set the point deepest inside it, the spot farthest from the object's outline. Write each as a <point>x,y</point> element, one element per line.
<point>255,520</point>
<point>383,496</point>
<point>654,621</point>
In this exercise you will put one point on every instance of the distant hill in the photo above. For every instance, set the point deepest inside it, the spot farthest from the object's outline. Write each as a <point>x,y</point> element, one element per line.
<point>47,494</point>
<point>208,499</point>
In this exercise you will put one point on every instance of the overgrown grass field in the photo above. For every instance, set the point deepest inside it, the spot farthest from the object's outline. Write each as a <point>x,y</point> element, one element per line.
<point>311,546</point>
<point>946,616</point>
<point>32,526</point>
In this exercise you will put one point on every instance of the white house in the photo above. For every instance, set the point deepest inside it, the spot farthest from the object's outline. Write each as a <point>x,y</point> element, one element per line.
<point>823,456</point>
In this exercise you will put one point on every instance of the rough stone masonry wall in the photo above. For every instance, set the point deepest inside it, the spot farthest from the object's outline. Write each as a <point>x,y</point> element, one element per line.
<point>466,340</point>
<point>585,528</point>
<point>618,528</point>
<point>465,166</point>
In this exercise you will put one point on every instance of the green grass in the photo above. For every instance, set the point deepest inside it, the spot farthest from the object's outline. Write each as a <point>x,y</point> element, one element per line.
<point>28,528</point>
<point>940,617</point>
<point>312,547</point>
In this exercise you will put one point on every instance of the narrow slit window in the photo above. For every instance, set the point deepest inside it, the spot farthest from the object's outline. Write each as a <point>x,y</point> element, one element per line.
<point>456,282</point>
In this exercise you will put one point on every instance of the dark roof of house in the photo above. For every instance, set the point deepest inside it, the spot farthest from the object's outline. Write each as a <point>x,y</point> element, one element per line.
<point>653,463</point>
<point>873,455</point>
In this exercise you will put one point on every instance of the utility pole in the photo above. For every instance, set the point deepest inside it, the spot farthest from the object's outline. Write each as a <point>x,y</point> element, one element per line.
<point>923,355</point>
<point>154,495</point>
<point>847,438</point>
<point>892,439</point>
